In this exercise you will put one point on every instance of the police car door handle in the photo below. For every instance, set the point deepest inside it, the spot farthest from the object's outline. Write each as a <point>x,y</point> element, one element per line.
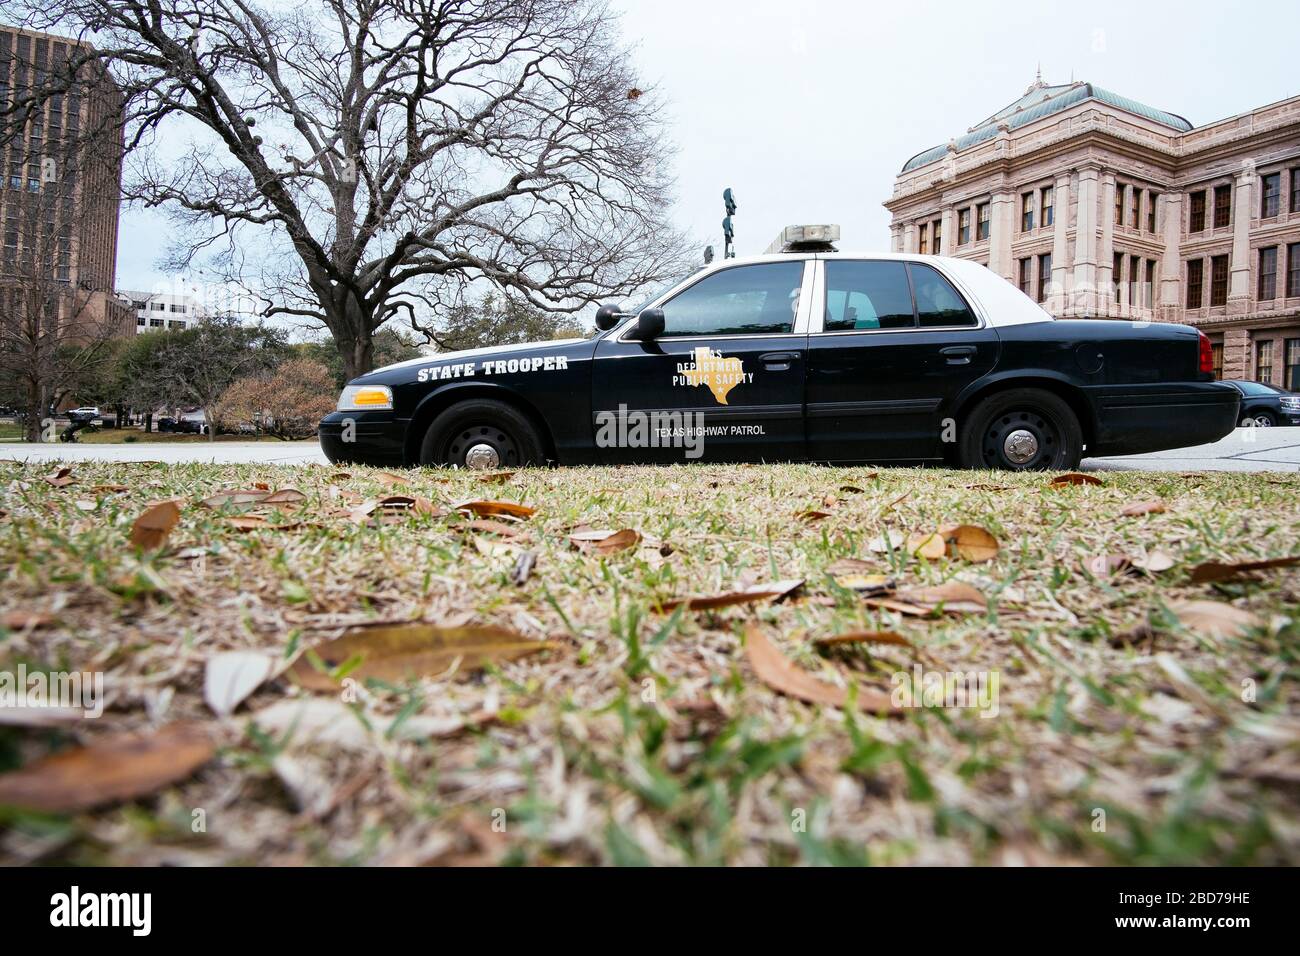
<point>777,361</point>
<point>958,354</point>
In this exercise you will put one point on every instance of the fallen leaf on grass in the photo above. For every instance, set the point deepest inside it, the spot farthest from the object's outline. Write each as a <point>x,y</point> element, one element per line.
<point>928,545</point>
<point>61,478</point>
<point>1106,565</point>
<point>151,529</point>
<point>953,597</point>
<point>605,542</point>
<point>768,591</point>
<point>231,676</point>
<point>863,637</point>
<point>109,489</point>
<point>491,526</point>
<point>113,768</point>
<point>971,542</point>
<point>258,523</point>
<point>26,620</point>
<point>238,497</point>
<point>1213,619</point>
<point>397,652</point>
<point>489,509</point>
<point>392,480</point>
<point>811,514</point>
<point>496,478</point>
<point>1154,561</point>
<point>1075,478</point>
<point>1153,506</point>
<point>780,674</point>
<point>888,541</point>
<point>1226,571</point>
<point>285,496</point>
<point>866,583</point>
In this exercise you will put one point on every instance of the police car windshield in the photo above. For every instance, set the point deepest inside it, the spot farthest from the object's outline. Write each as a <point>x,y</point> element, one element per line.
<point>659,290</point>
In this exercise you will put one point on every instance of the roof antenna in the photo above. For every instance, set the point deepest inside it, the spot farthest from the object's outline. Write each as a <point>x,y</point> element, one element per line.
<point>1038,78</point>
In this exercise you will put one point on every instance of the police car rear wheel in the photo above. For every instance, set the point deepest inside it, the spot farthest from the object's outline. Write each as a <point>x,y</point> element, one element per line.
<point>1024,429</point>
<point>481,434</point>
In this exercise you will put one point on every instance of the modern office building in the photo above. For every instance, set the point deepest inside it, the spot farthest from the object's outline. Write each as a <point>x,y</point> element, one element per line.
<point>1099,206</point>
<point>60,178</point>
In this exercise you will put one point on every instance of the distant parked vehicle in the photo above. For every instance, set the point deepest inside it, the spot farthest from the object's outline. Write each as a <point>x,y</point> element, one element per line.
<point>193,423</point>
<point>85,413</point>
<point>166,424</point>
<point>1265,406</point>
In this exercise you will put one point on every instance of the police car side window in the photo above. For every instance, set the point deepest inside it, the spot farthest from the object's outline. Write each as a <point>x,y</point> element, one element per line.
<point>937,303</point>
<point>743,300</point>
<point>867,295</point>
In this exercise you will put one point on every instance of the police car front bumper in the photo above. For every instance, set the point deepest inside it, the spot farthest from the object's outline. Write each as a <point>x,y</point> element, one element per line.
<point>364,438</point>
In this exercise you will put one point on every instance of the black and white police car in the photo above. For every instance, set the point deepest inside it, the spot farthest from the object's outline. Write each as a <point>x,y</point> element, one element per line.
<point>803,355</point>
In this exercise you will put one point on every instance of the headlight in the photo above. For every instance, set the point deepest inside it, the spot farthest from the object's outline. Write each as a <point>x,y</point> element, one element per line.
<point>366,398</point>
<point>1291,402</point>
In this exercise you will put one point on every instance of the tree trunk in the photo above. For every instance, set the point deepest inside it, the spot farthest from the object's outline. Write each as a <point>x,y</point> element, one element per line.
<point>35,413</point>
<point>350,325</point>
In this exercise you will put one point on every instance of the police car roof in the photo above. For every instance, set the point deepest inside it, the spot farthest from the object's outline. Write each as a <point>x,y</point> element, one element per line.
<point>1000,302</point>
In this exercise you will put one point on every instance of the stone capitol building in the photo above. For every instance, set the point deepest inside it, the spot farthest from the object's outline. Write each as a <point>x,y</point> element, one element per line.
<point>1099,206</point>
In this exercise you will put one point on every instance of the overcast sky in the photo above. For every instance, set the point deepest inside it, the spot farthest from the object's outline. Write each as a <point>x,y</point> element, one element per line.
<point>808,110</point>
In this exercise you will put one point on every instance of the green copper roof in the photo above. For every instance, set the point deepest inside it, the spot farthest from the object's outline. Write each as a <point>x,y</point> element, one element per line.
<point>1040,101</point>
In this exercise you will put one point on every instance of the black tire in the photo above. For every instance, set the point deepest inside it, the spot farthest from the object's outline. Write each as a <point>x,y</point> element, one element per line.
<point>1057,438</point>
<point>1258,419</point>
<point>482,421</point>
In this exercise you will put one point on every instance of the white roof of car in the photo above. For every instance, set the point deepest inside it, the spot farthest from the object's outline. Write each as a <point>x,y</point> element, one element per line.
<point>997,300</point>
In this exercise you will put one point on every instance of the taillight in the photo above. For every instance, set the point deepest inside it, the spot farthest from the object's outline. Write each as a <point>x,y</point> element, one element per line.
<point>1207,354</point>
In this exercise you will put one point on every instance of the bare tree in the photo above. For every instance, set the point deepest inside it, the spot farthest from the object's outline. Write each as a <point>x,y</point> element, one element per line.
<point>362,159</point>
<point>56,325</point>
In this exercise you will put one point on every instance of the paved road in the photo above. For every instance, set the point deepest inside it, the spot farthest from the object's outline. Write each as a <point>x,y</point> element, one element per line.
<point>1246,449</point>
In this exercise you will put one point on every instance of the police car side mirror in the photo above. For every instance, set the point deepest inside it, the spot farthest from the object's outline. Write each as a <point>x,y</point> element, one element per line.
<point>650,325</point>
<point>607,317</point>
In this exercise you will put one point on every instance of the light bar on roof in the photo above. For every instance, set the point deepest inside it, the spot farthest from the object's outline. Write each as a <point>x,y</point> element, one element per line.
<point>806,238</point>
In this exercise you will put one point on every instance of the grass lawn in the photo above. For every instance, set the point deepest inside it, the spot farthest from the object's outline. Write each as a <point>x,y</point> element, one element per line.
<point>119,436</point>
<point>1120,721</point>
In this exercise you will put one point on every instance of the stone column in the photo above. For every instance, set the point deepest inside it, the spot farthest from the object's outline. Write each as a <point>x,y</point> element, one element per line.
<point>896,238</point>
<point>1236,353</point>
<point>1002,208</point>
<point>1170,299</point>
<point>1085,244</point>
<point>1060,248</point>
<point>1106,277</point>
<point>909,237</point>
<point>949,231</point>
<point>1242,204</point>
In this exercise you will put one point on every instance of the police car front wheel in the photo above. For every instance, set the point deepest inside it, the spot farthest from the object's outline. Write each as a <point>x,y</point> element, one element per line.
<point>481,434</point>
<point>1023,429</point>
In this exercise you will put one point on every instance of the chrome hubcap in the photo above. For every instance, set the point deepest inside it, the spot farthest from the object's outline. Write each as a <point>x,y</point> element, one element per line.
<point>1020,446</point>
<point>482,456</point>
<point>1263,422</point>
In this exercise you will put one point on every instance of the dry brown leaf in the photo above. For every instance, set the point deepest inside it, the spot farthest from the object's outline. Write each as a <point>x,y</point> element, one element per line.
<point>953,597</point>
<point>866,583</point>
<point>396,652</point>
<point>971,542</point>
<point>392,480</point>
<point>863,637</point>
<point>1226,571</point>
<point>929,545</point>
<point>109,489</point>
<point>608,543</point>
<point>496,477</point>
<point>284,496</point>
<point>490,509</point>
<point>237,497</point>
<point>151,529</point>
<point>60,478</point>
<point>1213,619</point>
<point>492,526</point>
<point>1075,478</point>
<point>768,591</point>
<point>850,566</point>
<point>113,768</point>
<point>811,514</point>
<point>780,674</point>
<point>1151,506</point>
<point>26,620</point>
